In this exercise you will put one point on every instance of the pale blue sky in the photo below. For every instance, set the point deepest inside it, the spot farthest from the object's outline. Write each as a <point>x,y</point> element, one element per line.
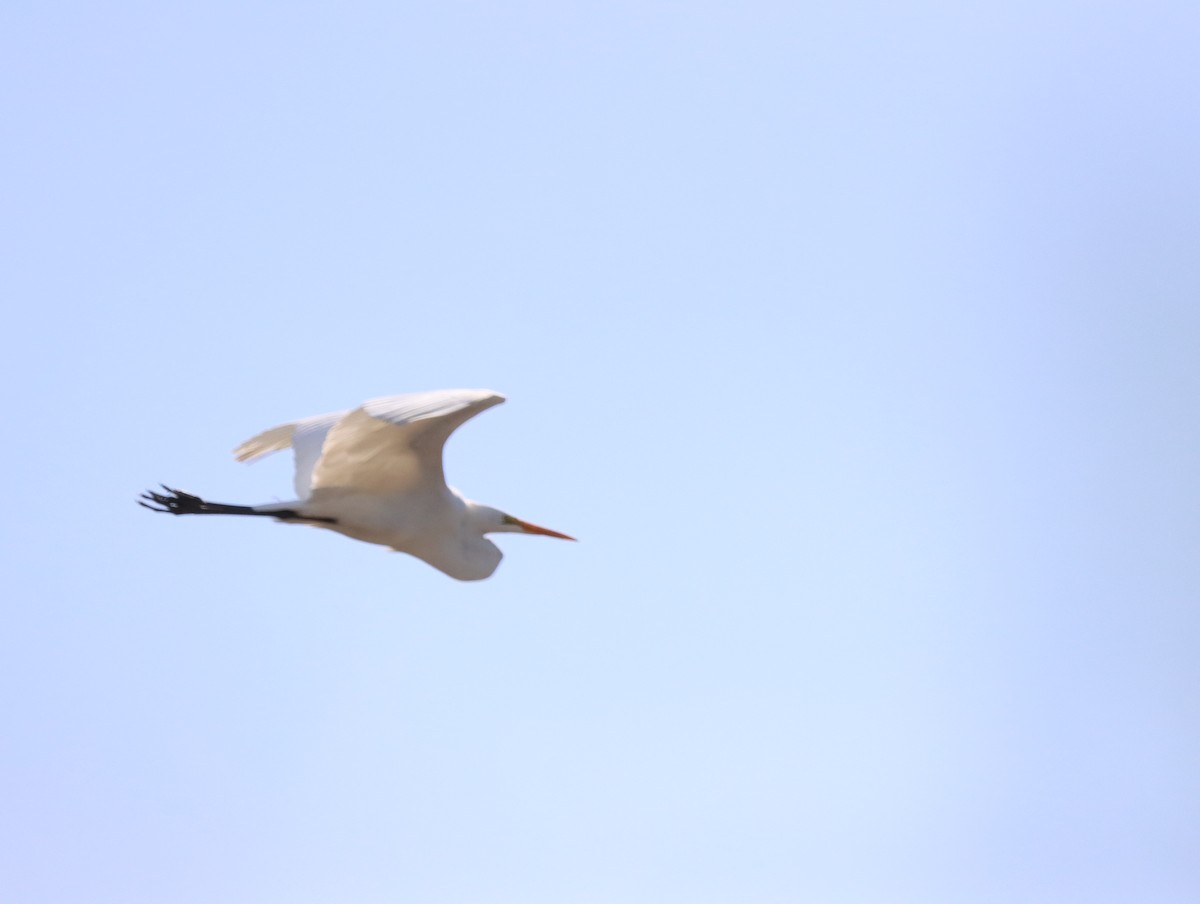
<point>856,342</point>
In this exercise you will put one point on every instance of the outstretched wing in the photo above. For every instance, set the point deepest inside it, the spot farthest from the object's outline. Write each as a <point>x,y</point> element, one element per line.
<point>394,444</point>
<point>306,437</point>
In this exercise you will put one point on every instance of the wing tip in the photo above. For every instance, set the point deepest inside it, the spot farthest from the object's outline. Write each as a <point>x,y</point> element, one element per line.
<point>274,440</point>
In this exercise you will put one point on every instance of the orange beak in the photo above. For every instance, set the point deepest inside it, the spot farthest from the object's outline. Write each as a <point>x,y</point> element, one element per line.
<point>534,529</point>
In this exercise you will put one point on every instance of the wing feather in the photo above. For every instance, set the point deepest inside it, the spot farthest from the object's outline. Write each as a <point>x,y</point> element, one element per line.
<point>394,444</point>
<point>306,437</point>
<point>274,440</point>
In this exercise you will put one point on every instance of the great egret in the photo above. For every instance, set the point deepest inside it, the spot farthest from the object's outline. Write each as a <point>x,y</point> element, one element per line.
<point>375,474</point>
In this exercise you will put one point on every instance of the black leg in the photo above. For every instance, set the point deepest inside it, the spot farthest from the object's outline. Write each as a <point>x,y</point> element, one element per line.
<point>177,502</point>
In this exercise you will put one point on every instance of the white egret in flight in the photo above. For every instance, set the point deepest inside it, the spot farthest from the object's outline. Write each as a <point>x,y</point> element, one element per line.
<point>375,474</point>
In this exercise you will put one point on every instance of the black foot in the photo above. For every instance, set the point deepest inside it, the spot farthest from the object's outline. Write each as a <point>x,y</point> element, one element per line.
<point>177,502</point>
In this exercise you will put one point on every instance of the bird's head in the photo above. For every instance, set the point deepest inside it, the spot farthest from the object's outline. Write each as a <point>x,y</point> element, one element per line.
<point>493,521</point>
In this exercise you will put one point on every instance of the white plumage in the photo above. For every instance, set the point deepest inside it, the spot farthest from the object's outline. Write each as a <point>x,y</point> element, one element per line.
<point>374,473</point>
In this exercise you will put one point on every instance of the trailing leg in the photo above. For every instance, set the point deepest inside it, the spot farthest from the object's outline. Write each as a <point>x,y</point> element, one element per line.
<point>177,502</point>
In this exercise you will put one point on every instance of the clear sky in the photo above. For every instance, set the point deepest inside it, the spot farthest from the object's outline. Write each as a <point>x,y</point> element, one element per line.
<point>857,343</point>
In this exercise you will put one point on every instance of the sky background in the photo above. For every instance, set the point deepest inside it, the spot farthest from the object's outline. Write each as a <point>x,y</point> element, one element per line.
<point>856,342</point>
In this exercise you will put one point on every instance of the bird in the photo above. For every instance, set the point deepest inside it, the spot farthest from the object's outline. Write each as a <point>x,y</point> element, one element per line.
<point>374,473</point>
